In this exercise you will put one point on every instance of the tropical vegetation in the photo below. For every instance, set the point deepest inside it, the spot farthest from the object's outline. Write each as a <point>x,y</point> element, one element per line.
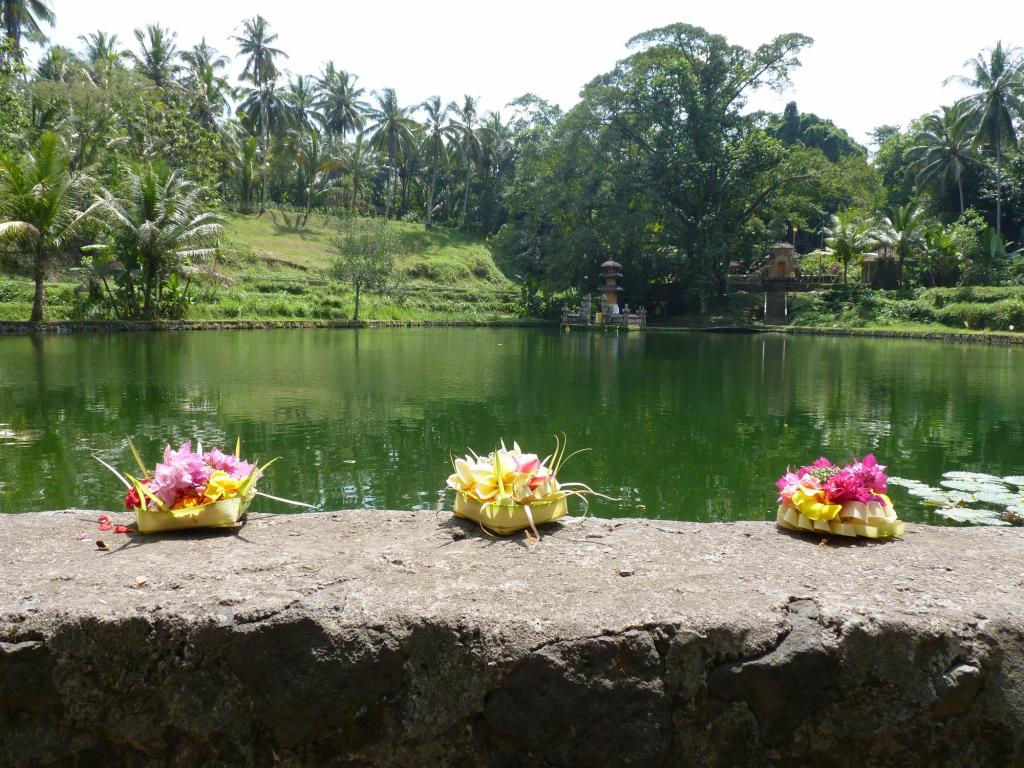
<point>122,161</point>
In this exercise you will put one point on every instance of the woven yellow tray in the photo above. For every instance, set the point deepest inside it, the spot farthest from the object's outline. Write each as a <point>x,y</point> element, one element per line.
<point>218,514</point>
<point>506,519</point>
<point>852,522</point>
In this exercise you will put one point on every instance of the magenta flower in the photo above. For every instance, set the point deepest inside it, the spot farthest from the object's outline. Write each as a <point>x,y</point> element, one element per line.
<point>791,481</point>
<point>180,472</point>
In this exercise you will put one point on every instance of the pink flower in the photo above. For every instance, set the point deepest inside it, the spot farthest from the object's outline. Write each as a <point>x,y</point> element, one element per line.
<point>527,463</point>
<point>228,462</point>
<point>873,474</point>
<point>181,471</point>
<point>790,482</point>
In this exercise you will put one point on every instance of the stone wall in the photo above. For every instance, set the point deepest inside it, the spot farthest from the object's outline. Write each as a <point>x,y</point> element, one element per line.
<point>405,639</point>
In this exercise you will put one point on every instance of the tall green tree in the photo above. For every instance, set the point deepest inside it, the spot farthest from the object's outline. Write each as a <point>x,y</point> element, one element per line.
<point>676,170</point>
<point>999,98</point>
<point>157,58</point>
<point>302,103</point>
<point>391,134</point>
<point>159,225</point>
<point>103,55</point>
<point>38,193</point>
<point>318,165</point>
<point>437,135</point>
<point>260,68</point>
<point>904,231</point>
<point>849,235</point>
<point>362,164</point>
<point>341,101</point>
<point>943,148</point>
<point>469,146</point>
<point>210,91</point>
<point>26,16</point>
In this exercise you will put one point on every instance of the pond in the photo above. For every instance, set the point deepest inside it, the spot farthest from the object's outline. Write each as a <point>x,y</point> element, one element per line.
<point>690,426</point>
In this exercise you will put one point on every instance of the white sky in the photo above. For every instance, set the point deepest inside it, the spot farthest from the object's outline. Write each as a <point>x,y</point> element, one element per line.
<point>872,62</point>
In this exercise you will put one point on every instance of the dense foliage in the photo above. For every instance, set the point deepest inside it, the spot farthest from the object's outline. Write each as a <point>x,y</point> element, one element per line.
<point>660,166</point>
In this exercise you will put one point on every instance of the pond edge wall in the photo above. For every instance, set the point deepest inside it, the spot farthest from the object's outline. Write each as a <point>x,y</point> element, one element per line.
<point>376,638</point>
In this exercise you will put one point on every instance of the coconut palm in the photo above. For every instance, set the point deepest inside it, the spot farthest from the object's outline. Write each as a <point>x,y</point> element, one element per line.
<point>26,16</point>
<point>318,163</point>
<point>101,53</point>
<point>158,224</point>
<point>242,154</point>
<point>202,57</point>
<point>260,68</point>
<point>362,164</point>
<point>301,102</point>
<point>999,82</point>
<point>391,134</point>
<point>341,102</point>
<point>904,232</point>
<point>157,58</point>
<point>59,65</point>
<point>37,206</point>
<point>849,235</point>
<point>437,136</point>
<point>211,92</point>
<point>469,146</point>
<point>944,147</point>
<point>255,43</point>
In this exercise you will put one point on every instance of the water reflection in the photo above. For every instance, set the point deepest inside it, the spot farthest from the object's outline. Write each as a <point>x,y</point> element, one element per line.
<point>690,426</point>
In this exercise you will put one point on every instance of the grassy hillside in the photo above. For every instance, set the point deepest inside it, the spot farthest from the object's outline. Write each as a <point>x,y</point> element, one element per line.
<point>269,270</point>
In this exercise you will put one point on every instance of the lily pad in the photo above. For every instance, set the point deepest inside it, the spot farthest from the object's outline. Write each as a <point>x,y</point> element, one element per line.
<point>983,477</point>
<point>973,516</point>
<point>997,497</point>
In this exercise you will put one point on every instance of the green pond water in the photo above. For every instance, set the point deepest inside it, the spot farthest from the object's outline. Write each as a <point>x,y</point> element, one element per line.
<point>685,426</point>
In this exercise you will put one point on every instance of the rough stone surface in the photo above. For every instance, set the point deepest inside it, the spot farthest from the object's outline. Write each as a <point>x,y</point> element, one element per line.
<point>403,639</point>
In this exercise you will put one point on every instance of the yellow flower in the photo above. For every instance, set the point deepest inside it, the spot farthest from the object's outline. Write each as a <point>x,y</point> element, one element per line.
<point>504,477</point>
<point>221,486</point>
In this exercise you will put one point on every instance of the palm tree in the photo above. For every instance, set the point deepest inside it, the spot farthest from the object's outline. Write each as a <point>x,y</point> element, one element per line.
<point>242,154</point>
<point>851,233</point>
<point>361,165</point>
<point>59,65</point>
<point>211,92</point>
<point>469,146</point>
<point>437,135</point>
<point>158,54</point>
<point>301,103</point>
<point>341,101</point>
<point>999,82</point>
<point>391,135</point>
<point>318,165</point>
<point>203,57</point>
<point>158,223</point>
<point>943,148</point>
<point>26,15</point>
<point>102,53</point>
<point>260,68</point>
<point>497,155</point>
<point>903,231</point>
<point>37,194</point>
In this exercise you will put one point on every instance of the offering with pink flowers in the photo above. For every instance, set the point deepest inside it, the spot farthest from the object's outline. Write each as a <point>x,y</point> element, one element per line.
<point>191,489</point>
<point>845,501</point>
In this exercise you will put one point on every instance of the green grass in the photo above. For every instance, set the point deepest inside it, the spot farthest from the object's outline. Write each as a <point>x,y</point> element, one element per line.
<point>267,270</point>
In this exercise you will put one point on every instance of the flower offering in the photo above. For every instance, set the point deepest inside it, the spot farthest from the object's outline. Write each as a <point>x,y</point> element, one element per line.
<point>845,501</point>
<point>190,489</point>
<point>509,490</point>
